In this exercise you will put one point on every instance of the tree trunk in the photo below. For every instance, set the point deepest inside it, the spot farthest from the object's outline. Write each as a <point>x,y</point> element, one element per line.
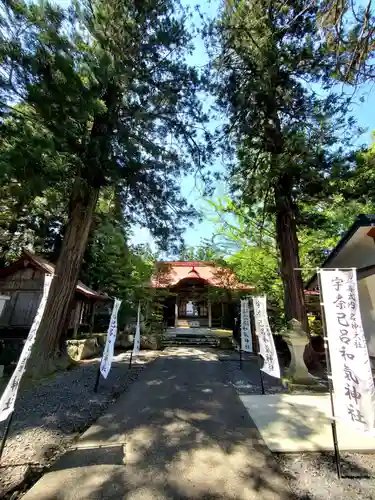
<point>286,232</point>
<point>95,160</point>
<point>46,350</point>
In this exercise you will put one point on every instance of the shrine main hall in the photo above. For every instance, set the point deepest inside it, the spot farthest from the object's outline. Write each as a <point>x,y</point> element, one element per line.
<point>198,294</point>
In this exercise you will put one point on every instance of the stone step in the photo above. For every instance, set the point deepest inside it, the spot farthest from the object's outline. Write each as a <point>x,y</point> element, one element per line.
<point>190,340</point>
<point>192,323</point>
<point>181,331</point>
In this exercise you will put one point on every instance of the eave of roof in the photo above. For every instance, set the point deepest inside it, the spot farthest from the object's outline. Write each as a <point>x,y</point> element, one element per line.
<point>184,263</point>
<point>362,220</point>
<point>48,267</point>
<point>229,279</point>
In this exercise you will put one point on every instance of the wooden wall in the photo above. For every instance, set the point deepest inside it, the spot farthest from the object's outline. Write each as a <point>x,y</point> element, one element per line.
<point>25,289</point>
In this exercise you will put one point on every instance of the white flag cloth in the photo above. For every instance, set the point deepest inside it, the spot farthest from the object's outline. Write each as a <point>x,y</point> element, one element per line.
<point>106,362</point>
<point>246,340</point>
<point>267,347</point>
<point>350,364</point>
<point>9,396</point>
<point>137,338</point>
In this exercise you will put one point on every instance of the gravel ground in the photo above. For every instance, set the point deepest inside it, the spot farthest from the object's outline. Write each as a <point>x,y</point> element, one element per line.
<point>247,380</point>
<point>51,414</point>
<point>312,476</point>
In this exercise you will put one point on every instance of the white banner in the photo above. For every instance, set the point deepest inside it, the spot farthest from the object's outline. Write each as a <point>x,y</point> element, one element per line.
<point>350,364</point>
<point>9,396</point>
<point>105,365</point>
<point>266,344</point>
<point>137,338</point>
<point>246,340</point>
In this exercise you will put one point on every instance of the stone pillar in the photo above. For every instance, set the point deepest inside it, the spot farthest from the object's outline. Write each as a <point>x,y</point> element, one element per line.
<point>297,340</point>
<point>209,313</point>
<point>176,312</point>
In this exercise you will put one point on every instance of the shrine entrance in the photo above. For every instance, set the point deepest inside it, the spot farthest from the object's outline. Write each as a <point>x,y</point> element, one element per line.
<point>192,304</point>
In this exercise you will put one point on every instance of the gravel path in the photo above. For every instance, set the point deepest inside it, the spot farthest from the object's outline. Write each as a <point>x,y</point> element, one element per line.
<point>51,414</point>
<point>179,433</point>
<point>312,476</point>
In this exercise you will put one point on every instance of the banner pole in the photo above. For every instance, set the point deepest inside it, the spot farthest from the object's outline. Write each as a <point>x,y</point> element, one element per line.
<point>260,367</point>
<point>5,435</point>
<point>329,377</point>
<point>131,357</point>
<point>137,337</point>
<point>108,352</point>
<point>260,373</point>
<point>97,378</point>
<point>240,358</point>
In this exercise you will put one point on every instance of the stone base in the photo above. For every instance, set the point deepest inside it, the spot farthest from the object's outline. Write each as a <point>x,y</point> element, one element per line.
<point>303,377</point>
<point>291,423</point>
<point>150,342</point>
<point>298,387</point>
<point>83,348</point>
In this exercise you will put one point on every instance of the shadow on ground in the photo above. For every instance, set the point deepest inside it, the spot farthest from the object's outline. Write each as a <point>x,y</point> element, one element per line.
<point>311,475</point>
<point>181,432</point>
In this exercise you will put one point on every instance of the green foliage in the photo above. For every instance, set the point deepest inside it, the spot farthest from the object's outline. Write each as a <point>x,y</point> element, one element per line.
<point>111,265</point>
<point>112,98</point>
<point>286,139</point>
<point>330,220</point>
<point>37,223</point>
<point>248,243</point>
<point>349,37</point>
<point>358,181</point>
<point>257,266</point>
<point>315,324</point>
<point>108,89</point>
<point>282,130</point>
<point>34,188</point>
<point>204,252</point>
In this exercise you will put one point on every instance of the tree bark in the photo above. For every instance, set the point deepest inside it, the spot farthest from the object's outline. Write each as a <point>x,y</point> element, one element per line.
<point>45,354</point>
<point>286,232</point>
<point>46,350</point>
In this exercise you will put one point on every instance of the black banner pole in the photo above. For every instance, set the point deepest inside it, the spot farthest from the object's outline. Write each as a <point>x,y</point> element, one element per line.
<point>131,357</point>
<point>97,378</point>
<point>260,373</point>
<point>330,386</point>
<point>5,435</point>
<point>240,358</point>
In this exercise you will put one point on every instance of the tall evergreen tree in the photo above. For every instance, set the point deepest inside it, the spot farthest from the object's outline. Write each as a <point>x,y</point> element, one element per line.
<point>282,131</point>
<point>108,83</point>
<point>349,29</point>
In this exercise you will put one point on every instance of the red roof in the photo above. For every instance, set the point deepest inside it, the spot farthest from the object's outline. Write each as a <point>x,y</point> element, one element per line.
<point>169,274</point>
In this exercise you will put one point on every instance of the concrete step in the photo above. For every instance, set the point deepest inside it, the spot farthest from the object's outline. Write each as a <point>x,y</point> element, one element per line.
<point>192,323</point>
<point>186,331</point>
<point>190,340</point>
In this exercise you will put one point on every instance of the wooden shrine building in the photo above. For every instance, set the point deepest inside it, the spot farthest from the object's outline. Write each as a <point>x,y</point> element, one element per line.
<point>198,294</point>
<point>23,281</point>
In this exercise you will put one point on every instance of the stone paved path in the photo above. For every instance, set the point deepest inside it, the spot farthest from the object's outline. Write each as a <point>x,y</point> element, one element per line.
<point>180,433</point>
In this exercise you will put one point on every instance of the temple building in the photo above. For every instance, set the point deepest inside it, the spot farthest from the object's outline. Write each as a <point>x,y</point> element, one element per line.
<point>198,294</point>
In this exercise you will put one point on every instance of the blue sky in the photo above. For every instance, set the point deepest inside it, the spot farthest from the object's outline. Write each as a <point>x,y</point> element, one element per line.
<point>364,112</point>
